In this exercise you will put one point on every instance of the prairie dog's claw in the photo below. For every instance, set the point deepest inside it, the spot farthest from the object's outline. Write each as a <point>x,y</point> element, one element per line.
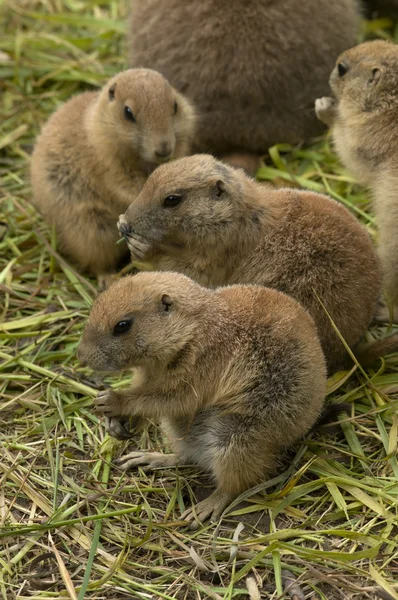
<point>107,403</point>
<point>212,507</point>
<point>147,460</point>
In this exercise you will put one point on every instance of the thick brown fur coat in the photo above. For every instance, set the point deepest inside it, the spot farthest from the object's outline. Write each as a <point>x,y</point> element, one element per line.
<point>252,67</point>
<point>236,374</point>
<point>89,160</point>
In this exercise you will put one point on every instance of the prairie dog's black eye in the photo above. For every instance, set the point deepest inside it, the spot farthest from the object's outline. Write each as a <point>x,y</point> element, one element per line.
<point>122,327</point>
<point>342,69</point>
<point>175,107</point>
<point>128,114</point>
<point>172,201</point>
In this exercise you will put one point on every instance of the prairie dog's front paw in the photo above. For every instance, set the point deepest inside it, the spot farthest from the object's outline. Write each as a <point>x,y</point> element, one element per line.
<point>138,246</point>
<point>108,403</point>
<point>325,109</point>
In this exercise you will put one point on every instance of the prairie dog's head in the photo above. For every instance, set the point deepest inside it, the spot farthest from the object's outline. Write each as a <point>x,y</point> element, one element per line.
<point>365,78</point>
<point>196,202</point>
<point>140,111</point>
<point>145,319</point>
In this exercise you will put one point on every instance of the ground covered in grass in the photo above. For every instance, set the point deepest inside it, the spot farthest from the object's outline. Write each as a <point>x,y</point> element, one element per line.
<point>71,524</point>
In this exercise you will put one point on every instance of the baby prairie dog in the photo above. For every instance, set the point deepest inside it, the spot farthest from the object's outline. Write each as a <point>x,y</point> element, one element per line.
<point>95,153</point>
<point>235,374</point>
<point>211,222</point>
<point>363,116</point>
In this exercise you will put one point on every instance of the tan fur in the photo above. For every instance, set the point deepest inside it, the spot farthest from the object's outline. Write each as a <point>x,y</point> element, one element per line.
<point>236,374</point>
<point>253,67</point>
<point>89,161</point>
<point>364,120</point>
<point>230,229</point>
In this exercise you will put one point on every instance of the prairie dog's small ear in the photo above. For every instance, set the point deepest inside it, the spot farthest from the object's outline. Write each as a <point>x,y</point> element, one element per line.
<point>167,303</point>
<point>111,92</point>
<point>375,76</point>
<point>342,68</point>
<point>220,188</point>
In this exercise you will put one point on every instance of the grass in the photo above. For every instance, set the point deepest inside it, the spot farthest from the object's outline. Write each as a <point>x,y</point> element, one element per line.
<point>71,525</point>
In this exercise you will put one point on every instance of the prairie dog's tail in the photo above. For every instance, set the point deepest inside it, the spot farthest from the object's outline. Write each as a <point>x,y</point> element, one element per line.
<point>369,353</point>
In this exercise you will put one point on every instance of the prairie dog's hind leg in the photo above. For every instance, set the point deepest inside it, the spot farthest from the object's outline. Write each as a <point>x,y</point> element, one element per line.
<point>240,452</point>
<point>147,460</point>
<point>211,507</point>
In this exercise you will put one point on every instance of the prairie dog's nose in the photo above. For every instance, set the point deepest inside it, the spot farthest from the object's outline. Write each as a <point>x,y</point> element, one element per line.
<point>164,150</point>
<point>123,226</point>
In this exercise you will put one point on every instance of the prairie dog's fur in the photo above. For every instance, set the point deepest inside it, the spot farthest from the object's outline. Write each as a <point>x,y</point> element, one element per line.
<point>252,67</point>
<point>230,229</point>
<point>90,160</point>
<point>235,374</point>
<point>364,118</point>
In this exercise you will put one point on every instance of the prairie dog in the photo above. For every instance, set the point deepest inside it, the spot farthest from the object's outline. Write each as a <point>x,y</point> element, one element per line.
<point>95,153</point>
<point>252,67</point>
<point>363,116</point>
<point>211,222</point>
<point>235,374</point>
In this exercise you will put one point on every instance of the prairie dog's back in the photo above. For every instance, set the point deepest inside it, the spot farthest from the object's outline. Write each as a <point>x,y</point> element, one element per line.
<point>277,323</point>
<point>55,159</point>
<point>261,94</point>
<point>319,254</point>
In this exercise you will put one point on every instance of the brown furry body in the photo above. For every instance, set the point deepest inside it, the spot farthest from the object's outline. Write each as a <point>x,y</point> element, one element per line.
<point>236,374</point>
<point>230,229</point>
<point>252,67</point>
<point>364,120</point>
<point>90,159</point>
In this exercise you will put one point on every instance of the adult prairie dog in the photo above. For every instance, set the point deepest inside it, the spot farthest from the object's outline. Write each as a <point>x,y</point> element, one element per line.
<point>253,67</point>
<point>363,115</point>
<point>209,221</point>
<point>95,153</point>
<point>235,374</point>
